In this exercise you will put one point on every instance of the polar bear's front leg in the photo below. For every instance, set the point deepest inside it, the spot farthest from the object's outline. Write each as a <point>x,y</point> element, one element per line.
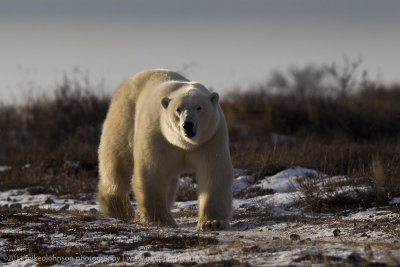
<point>152,193</point>
<point>215,195</point>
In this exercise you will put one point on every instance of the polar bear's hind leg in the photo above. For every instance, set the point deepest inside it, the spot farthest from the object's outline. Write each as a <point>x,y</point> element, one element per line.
<point>114,187</point>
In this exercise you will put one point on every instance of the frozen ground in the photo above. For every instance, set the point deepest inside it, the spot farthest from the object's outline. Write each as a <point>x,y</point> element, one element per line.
<point>269,227</point>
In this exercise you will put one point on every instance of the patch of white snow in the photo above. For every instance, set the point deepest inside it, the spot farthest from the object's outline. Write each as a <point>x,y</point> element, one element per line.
<point>4,168</point>
<point>242,182</point>
<point>285,181</point>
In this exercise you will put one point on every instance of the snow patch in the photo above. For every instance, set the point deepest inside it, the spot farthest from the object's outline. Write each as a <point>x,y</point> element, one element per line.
<point>242,182</point>
<point>5,168</point>
<point>285,181</point>
<point>395,201</point>
<point>23,199</point>
<point>21,263</point>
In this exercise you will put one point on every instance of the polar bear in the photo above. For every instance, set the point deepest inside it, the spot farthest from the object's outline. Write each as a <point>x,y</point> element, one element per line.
<point>160,125</point>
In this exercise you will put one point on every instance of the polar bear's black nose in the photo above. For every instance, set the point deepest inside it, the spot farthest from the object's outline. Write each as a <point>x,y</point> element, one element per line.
<point>188,126</point>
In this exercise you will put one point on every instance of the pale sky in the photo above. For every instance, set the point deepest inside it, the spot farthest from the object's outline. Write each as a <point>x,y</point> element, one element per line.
<point>225,42</point>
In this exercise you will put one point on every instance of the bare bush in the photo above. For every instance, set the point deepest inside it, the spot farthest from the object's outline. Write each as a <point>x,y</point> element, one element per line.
<point>341,133</point>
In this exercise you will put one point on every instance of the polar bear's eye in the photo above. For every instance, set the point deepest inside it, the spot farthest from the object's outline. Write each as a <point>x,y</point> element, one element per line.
<point>199,108</point>
<point>178,110</point>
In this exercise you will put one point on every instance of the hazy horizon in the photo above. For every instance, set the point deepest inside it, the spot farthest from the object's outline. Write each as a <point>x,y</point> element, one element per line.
<point>225,43</point>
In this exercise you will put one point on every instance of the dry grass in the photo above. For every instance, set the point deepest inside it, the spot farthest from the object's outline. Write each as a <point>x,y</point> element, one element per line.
<point>325,197</point>
<point>345,127</point>
<point>54,129</point>
<point>51,179</point>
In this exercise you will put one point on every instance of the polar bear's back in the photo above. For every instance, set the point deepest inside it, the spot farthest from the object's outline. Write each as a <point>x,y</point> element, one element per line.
<point>120,119</point>
<point>147,80</point>
<point>138,86</point>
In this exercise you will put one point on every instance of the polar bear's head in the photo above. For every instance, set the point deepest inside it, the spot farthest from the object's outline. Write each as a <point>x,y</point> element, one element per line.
<point>190,118</point>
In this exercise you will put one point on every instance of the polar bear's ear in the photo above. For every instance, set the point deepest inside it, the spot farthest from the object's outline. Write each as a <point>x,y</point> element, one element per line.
<point>214,97</point>
<point>165,102</point>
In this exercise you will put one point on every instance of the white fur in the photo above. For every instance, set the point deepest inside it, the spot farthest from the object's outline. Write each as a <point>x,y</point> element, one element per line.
<point>145,128</point>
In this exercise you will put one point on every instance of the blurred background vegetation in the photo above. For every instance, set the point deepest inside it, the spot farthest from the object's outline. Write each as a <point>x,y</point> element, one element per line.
<point>326,117</point>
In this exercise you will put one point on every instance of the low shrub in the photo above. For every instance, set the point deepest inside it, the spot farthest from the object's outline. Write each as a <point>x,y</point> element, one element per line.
<point>345,127</point>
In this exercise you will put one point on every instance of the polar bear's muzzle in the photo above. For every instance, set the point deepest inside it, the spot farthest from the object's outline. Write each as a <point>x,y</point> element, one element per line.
<point>189,129</point>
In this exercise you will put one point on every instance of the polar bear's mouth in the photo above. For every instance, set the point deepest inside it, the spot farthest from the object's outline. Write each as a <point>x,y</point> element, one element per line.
<point>190,134</point>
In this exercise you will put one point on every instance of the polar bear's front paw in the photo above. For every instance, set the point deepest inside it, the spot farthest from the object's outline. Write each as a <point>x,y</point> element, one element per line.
<point>166,220</point>
<point>212,225</point>
<point>116,207</point>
